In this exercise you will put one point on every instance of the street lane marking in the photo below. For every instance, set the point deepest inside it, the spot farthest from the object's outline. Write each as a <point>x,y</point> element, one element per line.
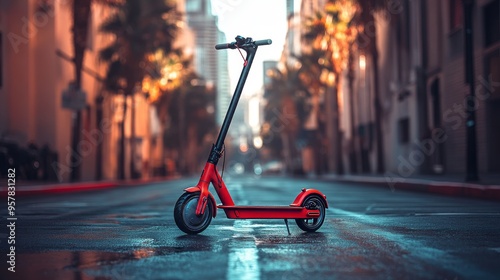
<point>392,211</point>
<point>416,248</point>
<point>243,259</point>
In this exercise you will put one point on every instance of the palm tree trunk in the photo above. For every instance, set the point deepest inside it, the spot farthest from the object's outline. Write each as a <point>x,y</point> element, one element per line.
<point>133,171</point>
<point>286,152</point>
<point>99,117</point>
<point>337,132</point>
<point>378,108</point>
<point>370,44</point>
<point>334,147</point>
<point>353,154</point>
<point>121,153</point>
<point>81,13</point>
<point>330,132</point>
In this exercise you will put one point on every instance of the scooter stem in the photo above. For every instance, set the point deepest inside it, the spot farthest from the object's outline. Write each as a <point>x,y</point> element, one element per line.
<point>216,151</point>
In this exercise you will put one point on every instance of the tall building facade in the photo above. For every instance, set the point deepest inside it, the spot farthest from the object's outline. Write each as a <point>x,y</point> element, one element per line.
<point>209,63</point>
<point>424,87</point>
<point>36,65</point>
<point>224,90</point>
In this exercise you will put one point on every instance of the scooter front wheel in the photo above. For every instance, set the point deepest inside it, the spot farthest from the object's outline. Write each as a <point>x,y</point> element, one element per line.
<point>311,225</point>
<point>185,214</point>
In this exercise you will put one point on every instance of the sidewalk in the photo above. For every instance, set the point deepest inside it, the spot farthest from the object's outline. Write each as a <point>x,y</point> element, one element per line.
<point>487,188</point>
<point>42,188</point>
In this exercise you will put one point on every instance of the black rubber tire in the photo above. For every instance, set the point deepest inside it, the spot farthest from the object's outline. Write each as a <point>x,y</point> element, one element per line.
<point>185,217</point>
<point>312,225</point>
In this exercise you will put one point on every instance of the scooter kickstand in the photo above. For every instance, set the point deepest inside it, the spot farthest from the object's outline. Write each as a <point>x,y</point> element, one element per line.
<point>287,228</point>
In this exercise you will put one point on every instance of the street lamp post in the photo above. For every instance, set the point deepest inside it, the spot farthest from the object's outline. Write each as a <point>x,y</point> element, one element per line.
<point>99,117</point>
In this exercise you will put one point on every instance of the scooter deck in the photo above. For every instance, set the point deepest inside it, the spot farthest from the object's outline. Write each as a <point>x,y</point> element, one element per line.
<point>268,212</point>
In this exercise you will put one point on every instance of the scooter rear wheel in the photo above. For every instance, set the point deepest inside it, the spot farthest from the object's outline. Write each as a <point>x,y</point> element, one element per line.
<point>312,225</point>
<point>185,214</point>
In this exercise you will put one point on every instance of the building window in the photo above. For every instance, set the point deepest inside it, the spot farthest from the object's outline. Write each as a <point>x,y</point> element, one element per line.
<point>491,12</point>
<point>404,131</point>
<point>456,15</point>
<point>492,71</point>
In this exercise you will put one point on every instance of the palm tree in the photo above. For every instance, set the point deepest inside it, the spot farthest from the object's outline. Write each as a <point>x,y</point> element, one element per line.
<point>165,73</point>
<point>168,85</point>
<point>315,88</point>
<point>331,35</point>
<point>140,29</point>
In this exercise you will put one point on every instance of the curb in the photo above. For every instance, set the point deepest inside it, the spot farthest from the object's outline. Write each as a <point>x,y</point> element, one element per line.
<point>466,190</point>
<point>78,187</point>
<point>457,189</point>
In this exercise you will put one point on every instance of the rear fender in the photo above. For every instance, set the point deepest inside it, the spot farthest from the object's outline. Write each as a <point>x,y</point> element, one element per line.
<point>305,193</point>
<point>210,196</point>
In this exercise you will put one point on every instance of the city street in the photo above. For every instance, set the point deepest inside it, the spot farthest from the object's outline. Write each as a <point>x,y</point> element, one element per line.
<point>369,233</point>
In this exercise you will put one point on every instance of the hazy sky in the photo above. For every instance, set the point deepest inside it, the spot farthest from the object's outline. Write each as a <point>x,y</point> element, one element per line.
<point>259,19</point>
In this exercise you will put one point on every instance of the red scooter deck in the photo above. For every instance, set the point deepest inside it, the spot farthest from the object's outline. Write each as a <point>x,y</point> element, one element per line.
<point>268,212</point>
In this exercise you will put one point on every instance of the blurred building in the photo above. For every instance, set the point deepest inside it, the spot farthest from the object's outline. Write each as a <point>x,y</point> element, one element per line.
<point>424,89</point>
<point>209,63</point>
<point>268,65</point>
<point>34,78</point>
<point>36,68</point>
<point>255,103</point>
<point>223,86</point>
<point>298,13</point>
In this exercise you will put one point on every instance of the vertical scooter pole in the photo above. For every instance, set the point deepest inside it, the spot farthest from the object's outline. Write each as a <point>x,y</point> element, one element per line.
<point>209,174</point>
<point>216,152</point>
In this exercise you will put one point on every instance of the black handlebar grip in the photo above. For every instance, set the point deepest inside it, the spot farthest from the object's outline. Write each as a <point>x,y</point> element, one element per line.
<point>263,42</point>
<point>233,44</point>
<point>222,46</point>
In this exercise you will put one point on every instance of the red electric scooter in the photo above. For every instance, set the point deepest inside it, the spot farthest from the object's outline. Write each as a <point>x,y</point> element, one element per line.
<point>195,208</point>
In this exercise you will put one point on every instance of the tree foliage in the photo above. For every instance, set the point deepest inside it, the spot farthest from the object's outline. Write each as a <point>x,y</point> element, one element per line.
<point>139,28</point>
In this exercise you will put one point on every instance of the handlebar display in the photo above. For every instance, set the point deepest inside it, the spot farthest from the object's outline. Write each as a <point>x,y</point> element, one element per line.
<point>242,43</point>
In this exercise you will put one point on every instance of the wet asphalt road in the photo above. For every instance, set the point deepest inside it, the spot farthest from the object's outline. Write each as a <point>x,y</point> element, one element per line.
<point>369,233</point>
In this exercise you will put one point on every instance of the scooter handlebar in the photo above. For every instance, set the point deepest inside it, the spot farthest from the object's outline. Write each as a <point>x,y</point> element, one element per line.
<point>233,45</point>
<point>225,46</point>
<point>263,42</point>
